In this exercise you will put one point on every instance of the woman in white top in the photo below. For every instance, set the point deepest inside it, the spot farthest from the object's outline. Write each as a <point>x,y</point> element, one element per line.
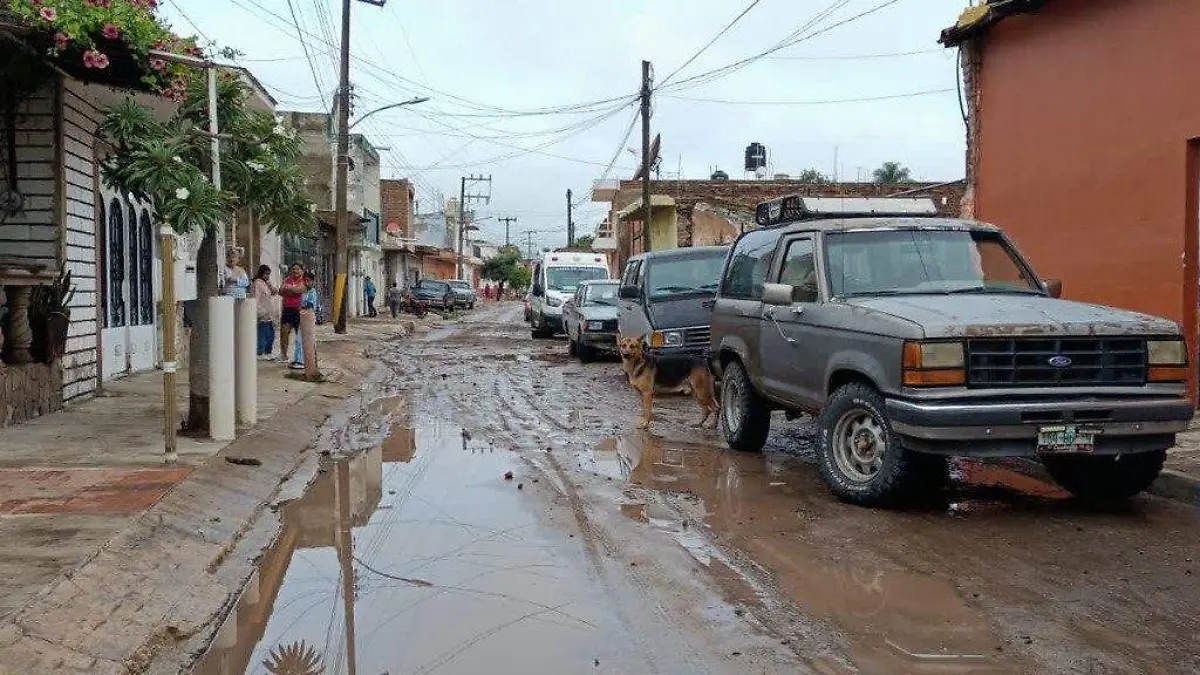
<point>236,280</point>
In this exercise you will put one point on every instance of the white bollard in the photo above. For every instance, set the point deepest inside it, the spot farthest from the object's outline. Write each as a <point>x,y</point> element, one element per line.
<point>220,369</point>
<point>246,359</point>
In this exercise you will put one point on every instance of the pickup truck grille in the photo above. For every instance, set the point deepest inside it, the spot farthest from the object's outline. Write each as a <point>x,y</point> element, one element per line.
<point>1078,362</point>
<point>610,325</point>
<point>697,337</point>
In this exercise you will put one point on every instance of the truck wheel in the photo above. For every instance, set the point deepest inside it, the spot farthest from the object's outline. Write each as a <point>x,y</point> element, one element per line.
<point>1105,478</point>
<point>586,353</point>
<point>745,417</point>
<point>861,459</point>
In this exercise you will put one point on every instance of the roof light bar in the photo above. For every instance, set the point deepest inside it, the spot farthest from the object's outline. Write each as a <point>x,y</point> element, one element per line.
<point>796,207</point>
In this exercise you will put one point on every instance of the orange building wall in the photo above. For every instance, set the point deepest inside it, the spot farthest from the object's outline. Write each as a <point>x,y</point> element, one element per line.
<point>1087,111</point>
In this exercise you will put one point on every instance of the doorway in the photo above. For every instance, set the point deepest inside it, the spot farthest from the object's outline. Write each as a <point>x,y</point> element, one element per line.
<point>129,337</point>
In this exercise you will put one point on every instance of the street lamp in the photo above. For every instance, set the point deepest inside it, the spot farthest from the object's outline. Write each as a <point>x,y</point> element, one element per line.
<point>411,101</point>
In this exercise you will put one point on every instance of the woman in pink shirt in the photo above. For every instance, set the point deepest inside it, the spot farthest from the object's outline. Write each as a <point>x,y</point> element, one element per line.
<point>264,297</point>
<point>292,289</point>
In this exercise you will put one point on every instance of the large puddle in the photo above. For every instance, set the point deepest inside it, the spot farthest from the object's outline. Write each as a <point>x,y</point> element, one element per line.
<point>418,556</point>
<point>776,512</point>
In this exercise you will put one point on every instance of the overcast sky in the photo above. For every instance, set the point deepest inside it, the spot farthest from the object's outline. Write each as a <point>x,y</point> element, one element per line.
<point>486,64</point>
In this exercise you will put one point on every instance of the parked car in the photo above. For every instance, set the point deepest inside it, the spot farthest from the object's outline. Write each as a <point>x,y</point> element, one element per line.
<point>464,294</point>
<point>666,297</point>
<point>915,337</point>
<point>590,319</point>
<point>432,294</point>
<point>555,277</point>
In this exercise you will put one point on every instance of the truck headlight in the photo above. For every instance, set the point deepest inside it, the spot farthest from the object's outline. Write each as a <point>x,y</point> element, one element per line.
<point>934,364</point>
<point>553,302</point>
<point>595,325</point>
<point>670,338</point>
<point>1167,360</point>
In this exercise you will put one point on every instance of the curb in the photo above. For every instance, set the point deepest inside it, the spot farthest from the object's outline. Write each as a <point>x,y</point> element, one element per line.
<point>1176,485</point>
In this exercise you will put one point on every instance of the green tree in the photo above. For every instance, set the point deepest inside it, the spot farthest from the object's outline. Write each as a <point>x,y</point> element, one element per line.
<point>502,266</point>
<point>168,165</point>
<point>585,241</point>
<point>521,278</point>
<point>891,173</point>
<point>812,176</point>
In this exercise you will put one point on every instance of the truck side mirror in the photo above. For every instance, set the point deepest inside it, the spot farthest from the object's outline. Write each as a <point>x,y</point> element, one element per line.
<point>630,292</point>
<point>1053,287</point>
<point>777,294</point>
<point>538,291</point>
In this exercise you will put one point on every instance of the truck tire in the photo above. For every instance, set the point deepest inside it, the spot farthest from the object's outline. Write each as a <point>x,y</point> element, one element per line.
<point>861,459</point>
<point>586,353</point>
<point>745,417</point>
<point>1106,478</point>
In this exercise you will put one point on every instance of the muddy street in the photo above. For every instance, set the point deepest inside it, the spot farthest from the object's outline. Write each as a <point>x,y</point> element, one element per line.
<point>493,510</point>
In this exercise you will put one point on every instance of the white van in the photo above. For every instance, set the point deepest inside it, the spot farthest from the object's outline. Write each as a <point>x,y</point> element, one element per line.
<point>555,278</point>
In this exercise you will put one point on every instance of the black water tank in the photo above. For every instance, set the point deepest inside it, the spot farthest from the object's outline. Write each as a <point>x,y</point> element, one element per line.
<point>756,156</point>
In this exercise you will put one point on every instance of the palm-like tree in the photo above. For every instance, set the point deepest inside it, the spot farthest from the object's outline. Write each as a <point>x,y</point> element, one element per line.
<point>892,172</point>
<point>297,658</point>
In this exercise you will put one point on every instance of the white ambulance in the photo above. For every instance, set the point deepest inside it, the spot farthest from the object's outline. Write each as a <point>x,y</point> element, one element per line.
<point>555,278</point>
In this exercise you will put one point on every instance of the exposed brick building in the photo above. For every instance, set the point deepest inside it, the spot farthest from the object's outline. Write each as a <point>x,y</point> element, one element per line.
<point>397,197</point>
<point>707,212</point>
<point>1084,143</point>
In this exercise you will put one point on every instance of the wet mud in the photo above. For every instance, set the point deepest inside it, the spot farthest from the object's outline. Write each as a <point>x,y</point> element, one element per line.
<point>615,551</point>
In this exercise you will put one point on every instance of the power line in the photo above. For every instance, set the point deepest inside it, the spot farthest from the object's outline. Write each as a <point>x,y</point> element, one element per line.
<point>307,56</point>
<point>468,103</point>
<point>710,43</point>
<point>796,38</point>
<point>860,57</point>
<point>864,99</point>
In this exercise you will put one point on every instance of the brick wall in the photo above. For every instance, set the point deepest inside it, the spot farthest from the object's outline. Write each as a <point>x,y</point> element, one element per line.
<point>396,198</point>
<point>747,194</point>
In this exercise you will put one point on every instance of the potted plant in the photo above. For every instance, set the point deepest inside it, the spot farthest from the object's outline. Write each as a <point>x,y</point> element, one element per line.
<point>50,317</point>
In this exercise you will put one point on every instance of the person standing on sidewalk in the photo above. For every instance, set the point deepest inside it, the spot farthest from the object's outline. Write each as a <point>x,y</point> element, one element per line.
<point>370,291</point>
<point>310,306</point>
<point>394,297</point>
<point>236,280</point>
<point>264,296</point>
<point>289,322</point>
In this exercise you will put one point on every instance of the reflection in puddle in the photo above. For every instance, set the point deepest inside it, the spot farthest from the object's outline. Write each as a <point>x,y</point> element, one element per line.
<point>897,620</point>
<point>418,557</point>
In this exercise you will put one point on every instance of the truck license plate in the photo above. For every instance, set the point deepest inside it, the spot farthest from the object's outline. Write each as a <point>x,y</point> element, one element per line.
<point>1066,438</point>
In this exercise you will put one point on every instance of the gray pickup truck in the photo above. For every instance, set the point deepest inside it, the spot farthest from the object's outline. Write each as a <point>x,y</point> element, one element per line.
<point>915,338</point>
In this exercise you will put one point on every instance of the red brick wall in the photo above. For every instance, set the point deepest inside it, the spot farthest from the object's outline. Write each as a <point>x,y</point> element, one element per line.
<point>747,194</point>
<point>396,200</point>
<point>1087,112</point>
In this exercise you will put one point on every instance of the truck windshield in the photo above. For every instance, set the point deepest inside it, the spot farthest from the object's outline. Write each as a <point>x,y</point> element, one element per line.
<point>691,274</point>
<point>601,294</point>
<point>898,262</point>
<point>566,279</point>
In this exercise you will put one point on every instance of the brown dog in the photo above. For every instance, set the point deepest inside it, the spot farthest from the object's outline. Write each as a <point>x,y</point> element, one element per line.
<point>647,377</point>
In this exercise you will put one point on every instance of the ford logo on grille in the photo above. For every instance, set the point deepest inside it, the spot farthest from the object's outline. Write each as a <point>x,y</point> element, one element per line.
<point>1060,361</point>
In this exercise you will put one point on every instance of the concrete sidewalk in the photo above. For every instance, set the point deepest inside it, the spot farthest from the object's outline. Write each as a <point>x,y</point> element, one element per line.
<point>1181,475</point>
<point>75,487</point>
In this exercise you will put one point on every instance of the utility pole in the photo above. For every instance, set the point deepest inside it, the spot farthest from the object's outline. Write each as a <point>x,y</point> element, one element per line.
<point>646,91</point>
<point>507,221</point>
<point>529,251</point>
<point>341,258</point>
<point>570,223</point>
<point>462,212</point>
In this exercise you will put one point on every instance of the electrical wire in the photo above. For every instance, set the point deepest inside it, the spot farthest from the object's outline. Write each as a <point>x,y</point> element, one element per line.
<point>312,66</point>
<point>796,38</point>
<point>859,57</point>
<point>710,43</point>
<point>864,99</point>
<point>406,82</point>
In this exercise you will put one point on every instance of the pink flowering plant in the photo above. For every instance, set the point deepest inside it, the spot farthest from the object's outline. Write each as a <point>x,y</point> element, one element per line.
<point>97,34</point>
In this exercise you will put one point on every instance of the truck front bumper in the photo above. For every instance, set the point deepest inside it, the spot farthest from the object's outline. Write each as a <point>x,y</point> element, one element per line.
<point>996,429</point>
